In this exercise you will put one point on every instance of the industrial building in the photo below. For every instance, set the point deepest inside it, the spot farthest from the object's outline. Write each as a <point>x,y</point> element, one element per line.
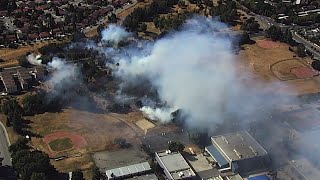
<point>239,152</point>
<point>129,171</point>
<point>20,78</point>
<point>174,165</point>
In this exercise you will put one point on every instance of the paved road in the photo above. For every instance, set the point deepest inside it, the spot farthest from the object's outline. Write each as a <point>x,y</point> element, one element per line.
<point>4,143</point>
<point>266,22</point>
<point>306,43</point>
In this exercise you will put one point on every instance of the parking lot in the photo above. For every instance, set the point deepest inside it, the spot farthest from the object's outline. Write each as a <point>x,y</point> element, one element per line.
<point>105,160</point>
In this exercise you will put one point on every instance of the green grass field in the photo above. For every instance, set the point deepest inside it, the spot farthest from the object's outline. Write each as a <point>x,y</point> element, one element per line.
<point>61,144</point>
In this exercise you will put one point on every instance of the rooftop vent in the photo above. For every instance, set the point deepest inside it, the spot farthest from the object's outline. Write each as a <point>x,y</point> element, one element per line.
<point>180,174</point>
<point>237,153</point>
<point>253,150</point>
<point>240,137</point>
<point>224,139</point>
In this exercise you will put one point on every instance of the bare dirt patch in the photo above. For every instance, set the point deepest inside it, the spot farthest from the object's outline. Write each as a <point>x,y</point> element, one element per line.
<point>304,72</point>
<point>283,69</point>
<point>83,162</point>
<point>267,44</point>
<point>145,125</point>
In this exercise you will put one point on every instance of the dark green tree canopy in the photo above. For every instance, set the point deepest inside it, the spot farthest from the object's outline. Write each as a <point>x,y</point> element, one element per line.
<point>77,175</point>
<point>176,146</point>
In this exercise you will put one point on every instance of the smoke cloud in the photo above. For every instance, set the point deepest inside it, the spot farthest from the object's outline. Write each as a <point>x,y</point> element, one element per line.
<point>115,34</point>
<point>34,59</point>
<point>162,114</point>
<point>195,71</point>
<point>63,75</point>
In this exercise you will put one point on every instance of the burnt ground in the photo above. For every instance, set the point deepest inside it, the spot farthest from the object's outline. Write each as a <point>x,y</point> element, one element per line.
<point>158,138</point>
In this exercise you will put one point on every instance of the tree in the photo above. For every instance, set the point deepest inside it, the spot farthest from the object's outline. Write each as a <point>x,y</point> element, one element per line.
<point>250,25</point>
<point>32,104</point>
<point>6,172</point>
<point>23,62</point>
<point>316,65</point>
<point>28,162</point>
<point>113,18</point>
<point>155,167</point>
<point>181,3</point>
<point>77,175</point>
<point>96,174</point>
<point>121,142</point>
<point>38,176</point>
<point>198,138</point>
<point>4,4</point>
<point>9,106</point>
<point>176,146</point>
<point>301,50</point>
<point>245,39</point>
<point>143,27</point>
<point>227,12</point>
<point>274,32</point>
<point>21,144</point>
<point>14,112</point>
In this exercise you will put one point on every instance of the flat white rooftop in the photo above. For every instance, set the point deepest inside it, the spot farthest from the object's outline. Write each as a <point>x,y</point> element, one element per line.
<point>128,170</point>
<point>239,145</point>
<point>175,164</point>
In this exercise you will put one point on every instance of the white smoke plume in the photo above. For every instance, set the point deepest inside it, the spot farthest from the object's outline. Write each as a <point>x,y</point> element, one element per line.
<point>194,70</point>
<point>62,71</point>
<point>163,114</point>
<point>115,34</point>
<point>34,59</point>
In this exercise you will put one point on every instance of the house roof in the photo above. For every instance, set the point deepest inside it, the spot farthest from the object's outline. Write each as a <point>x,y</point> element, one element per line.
<point>33,36</point>
<point>44,34</point>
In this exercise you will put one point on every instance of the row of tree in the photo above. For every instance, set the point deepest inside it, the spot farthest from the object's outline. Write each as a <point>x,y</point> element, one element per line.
<point>278,34</point>
<point>14,113</point>
<point>250,25</point>
<point>148,13</point>
<point>35,165</point>
<point>227,11</point>
<point>169,22</point>
<point>31,164</point>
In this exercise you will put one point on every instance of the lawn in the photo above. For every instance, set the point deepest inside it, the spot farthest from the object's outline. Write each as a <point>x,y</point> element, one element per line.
<point>61,144</point>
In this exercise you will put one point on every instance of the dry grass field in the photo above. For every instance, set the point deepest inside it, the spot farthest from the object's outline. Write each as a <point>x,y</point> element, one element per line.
<point>98,130</point>
<point>284,70</point>
<point>266,64</point>
<point>11,56</point>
